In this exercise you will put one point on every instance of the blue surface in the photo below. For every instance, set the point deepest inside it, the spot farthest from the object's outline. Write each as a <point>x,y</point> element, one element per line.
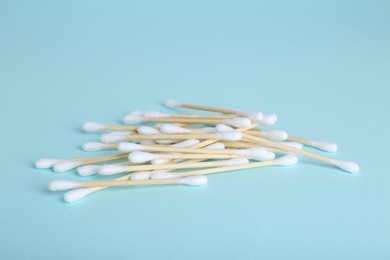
<point>323,67</point>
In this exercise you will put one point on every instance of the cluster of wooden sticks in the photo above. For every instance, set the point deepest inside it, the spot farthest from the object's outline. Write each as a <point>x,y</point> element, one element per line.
<point>196,145</point>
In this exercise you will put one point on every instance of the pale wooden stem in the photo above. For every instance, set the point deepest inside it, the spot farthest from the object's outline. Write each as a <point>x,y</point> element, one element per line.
<point>289,149</point>
<point>169,137</point>
<point>129,183</point>
<point>152,167</point>
<point>197,156</point>
<point>184,120</point>
<point>211,109</point>
<point>163,148</point>
<point>121,128</point>
<point>228,168</point>
<point>202,116</point>
<point>297,139</point>
<point>103,158</point>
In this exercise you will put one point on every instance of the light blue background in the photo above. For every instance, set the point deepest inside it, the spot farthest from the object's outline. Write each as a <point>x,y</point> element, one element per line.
<point>322,66</point>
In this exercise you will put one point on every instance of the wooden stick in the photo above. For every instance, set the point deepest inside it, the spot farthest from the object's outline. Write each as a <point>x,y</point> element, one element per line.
<point>197,156</point>
<point>153,167</point>
<point>201,116</point>
<point>207,108</point>
<point>129,183</point>
<point>103,158</point>
<point>169,149</point>
<point>289,149</point>
<point>228,168</point>
<point>169,137</point>
<point>184,120</point>
<point>120,128</point>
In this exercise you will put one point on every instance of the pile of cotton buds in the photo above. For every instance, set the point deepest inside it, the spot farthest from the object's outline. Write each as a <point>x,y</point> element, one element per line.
<point>183,148</point>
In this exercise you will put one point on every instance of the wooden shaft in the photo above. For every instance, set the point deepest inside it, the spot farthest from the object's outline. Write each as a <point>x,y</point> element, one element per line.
<point>240,145</point>
<point>184,120</point>
<point>152,167</point>
<point>211,109</point>
<point>121,128</point>
<point>228,168</point>
<point>202,116</point>
<point>297,139</point>
<point>197,156</point>
<point>105,158</point>
<point>169,137</point>
<point>289,149</point>
<point>163,148</point>
<point>128,183</point>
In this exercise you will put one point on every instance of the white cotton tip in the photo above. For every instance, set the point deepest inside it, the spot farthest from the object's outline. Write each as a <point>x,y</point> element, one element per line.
<point>269,119</point>
<point>94,146</point>
<point>267,157</point>
<point>111,169</point>
<point>221,128</point>
<point>147,142</point>
<point>64,166</point>
<point>194,180</point>
<point>293,144</point>
<point>275,135</point>
<point>163,175</point>
<point>88,170</point>
<point>325,146</point>
<point>235,161</point>
<point>229,136</point>
<point>63,185</point>
<point>215,146</point>
<point>147,130</point>
<point>77,194</point>
<point>186,143</point>
<point>93,127</point>
<point>155,114</point>
<point>254,116</point>
<point>130,147</point>
<point>173,129</point>
<point>286,160</point>
<point>168,141</point>
<point>140,157</point>
<point>46,163</point>
<point>132,119</point>
<point>206,129</point>
<point>239,122</point>
<point>112,138</point>
<point>138,176</point>
<point>257,152</point>
<point>137,113</point>
<point>171,103</point>
<point>346,166</point>
<point>160,161</point>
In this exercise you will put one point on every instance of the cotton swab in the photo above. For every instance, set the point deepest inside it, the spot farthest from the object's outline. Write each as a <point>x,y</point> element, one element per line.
<point>238,122</point>
<point>321,145</point>
<point>96,127</point>
<point>254,116</point>
<point>286,160</point>
<point>69,164</point>
<point>115,169</point>
<point>228,136</point>
<point>159,114</point>
<point>345,165</point>
<point>59,185</point>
